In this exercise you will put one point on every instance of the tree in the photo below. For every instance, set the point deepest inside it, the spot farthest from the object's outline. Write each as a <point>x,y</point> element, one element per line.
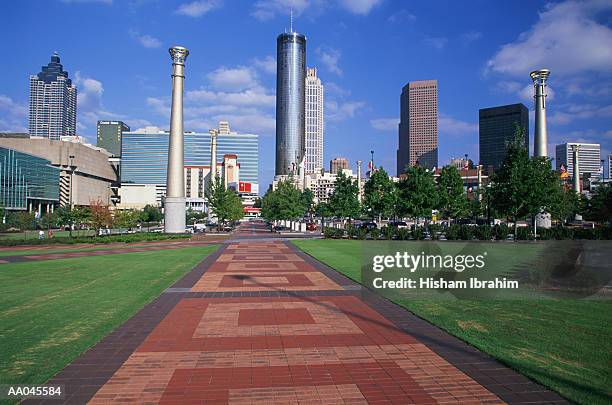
<point>307,199</point>
<point>452,200</point>
<point>344,202</point>
<point>100,216</point>
<point>600,204</point>
<point>25,221</point>
<point>127,218</point>
<point>286,202</point>
<point>417,193</point>
<point>224,204</point>
<point>65,217</point>
<point>379,195</point>
<point>151,214</point>
<point>257,203</point>
<point>522,186</point>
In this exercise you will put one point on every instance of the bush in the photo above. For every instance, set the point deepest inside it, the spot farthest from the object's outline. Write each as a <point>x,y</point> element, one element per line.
<point>452,233</point>
<point>135,237</point>
<point>434,229</point>
<point>483,232</point>
<point>362,233</point>
<point>375,233</point>
<point>388,232</point>
<point>351,231</point>
<point>501,232</point>
<point>466,232</point>
<point>418,233</point>
<point>403,234</point>
<point>328,232</point>
<point>523,233</point>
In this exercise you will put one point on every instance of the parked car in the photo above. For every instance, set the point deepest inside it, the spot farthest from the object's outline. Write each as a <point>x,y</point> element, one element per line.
<point>369,226</point>
<point>280,228</point>
<point>311,226</point>
<point>398,224</point>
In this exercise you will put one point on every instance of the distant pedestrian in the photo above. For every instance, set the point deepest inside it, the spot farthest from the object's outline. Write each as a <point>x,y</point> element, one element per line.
<point>50,234</point>
<point>41,235</point>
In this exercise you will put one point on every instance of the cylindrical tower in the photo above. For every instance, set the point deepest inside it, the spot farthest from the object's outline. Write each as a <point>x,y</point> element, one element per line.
<point>576,179</point>
<point>290,101</point>
<point>540,138</point>
<point>359,162</point>
<point>174,206</point>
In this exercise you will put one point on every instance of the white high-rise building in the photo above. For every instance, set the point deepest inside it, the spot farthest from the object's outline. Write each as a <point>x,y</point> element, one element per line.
<point>588,156</point>
<point>53,101</point>
<point>314,122</point>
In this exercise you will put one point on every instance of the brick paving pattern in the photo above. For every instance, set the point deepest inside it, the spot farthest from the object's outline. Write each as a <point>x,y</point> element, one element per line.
<point>260,322</point>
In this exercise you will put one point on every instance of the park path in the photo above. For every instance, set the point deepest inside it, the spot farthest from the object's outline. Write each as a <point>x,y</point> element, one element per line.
<point>261,322</point>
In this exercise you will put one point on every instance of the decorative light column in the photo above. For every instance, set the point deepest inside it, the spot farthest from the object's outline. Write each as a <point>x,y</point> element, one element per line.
<point>214,172</point>
<point>174,206</point>
<point>359,180</point>
<point>576,179</point>
<point>540,137</point>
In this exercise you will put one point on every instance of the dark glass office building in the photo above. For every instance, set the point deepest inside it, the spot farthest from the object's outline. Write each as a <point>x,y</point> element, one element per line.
<point>290,101</point>
<point>109,136</point>
<point>27,182</point>
<point>496,129</point>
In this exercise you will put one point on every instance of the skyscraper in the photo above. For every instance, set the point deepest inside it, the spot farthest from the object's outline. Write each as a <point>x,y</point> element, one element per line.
<point>53,100</point>
<point>588,156</point>
<point>337,164</point>
<point>418,128</point>
<point>290,101</point>
<point>496,128</point>
<point>109,136</point>
<point>314,122</point>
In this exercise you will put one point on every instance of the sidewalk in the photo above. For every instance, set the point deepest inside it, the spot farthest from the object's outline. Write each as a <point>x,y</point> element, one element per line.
<point>261,322</point>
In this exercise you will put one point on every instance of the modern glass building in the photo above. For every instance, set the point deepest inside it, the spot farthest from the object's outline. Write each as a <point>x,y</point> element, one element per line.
<point>27,182</point>
<point>589,155</point>
<point>290,101</point>
<point>53,102</point>
<point>109,136</point>
<point>144,156</point>
<point>496,128</point>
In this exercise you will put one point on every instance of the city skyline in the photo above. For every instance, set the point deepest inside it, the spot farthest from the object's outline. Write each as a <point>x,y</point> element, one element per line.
<point>238,83</point>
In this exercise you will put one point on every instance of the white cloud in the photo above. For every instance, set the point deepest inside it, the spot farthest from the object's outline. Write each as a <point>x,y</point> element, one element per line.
<point>579,111</point>
<point>267,9</point>
<point>340,111</point>
<point>470,36</point>
<point>566,39</point>
<point>145,40</point>
<point>330,58</point>
<point>267,64</point>
<point>361,7</point>
<point>450,126</point>
<point>400,16</point>
<point>334,89</point>
<point>238,78</point>
<point>436,42</point>
<point>197,8</point>
<point>385,124</point>
<point>13,115</point>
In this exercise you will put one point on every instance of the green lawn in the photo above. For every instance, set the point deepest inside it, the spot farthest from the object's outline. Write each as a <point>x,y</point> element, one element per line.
<point>29,252</point>
<point>51,311</point>
<point>563,344</point>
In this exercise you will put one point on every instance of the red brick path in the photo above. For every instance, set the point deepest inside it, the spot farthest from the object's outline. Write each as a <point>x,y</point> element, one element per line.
<point>309,348</point>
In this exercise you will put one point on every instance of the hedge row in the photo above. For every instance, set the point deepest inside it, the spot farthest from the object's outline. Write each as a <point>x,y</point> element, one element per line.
<point>128,238</point>
<point>467,232</point>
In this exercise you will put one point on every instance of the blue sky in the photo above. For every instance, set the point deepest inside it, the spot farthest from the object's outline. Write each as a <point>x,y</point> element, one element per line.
<point>481,53</point>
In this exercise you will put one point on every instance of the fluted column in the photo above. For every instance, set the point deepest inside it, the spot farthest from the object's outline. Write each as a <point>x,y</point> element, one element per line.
<point>576,179</point>
<point>174,207</point>
<point>540,137</point>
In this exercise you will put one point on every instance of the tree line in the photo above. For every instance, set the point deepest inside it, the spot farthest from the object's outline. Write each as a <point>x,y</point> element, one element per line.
<point>522,187</point>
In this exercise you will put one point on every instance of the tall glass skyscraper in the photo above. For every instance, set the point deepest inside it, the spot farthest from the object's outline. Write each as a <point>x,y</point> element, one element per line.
<point>496,127</point>
<point>314,122</point>
<point>144,155</point>
<point>53,102</point>
<point>290,101</point>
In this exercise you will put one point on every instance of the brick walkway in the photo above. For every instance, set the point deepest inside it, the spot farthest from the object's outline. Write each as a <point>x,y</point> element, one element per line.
<point>260,322</point>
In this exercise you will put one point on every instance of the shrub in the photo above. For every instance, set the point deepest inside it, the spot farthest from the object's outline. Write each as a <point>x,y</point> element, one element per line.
<point>403,234</point>
<point>388,232</point>
<point>418,233</point>
<point>466,232</point>
<point>523,233</point>
<point>351,231</point>
<point>375,233</point>
<point>329,232</point>
<point>136,237</point>
<point>501,232</point>
<point>452,232</point>
<point>483,232</point>
<point>434,229</point>
<point>362,233</point>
